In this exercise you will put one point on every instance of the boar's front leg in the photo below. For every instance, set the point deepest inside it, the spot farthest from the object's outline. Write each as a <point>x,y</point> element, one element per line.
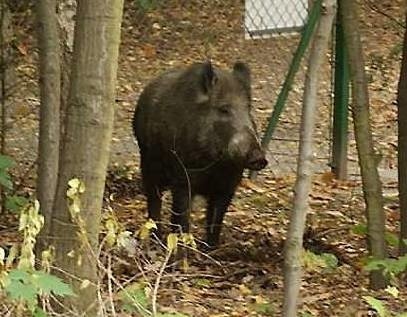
<point>181,204</point>
<point>217,207</point>
<point>153,193</point>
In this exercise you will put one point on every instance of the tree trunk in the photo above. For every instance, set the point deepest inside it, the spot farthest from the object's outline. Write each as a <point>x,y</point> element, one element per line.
<point>6,68</point>
<point>293,245</point>
<point>50,90</point>
<point>402,146</point>
<point>66,19</point>
<point>372,187</point>
<point>86,146</point>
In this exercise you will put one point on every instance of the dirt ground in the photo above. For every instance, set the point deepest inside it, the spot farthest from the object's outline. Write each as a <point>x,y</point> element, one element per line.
<point>247,269</point>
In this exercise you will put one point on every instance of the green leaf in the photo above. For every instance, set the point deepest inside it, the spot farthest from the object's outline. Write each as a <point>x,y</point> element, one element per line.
<point>18,290</point>
<point>264,309</point>
<point>314,262</point>
<point>377,305</point>
<point>6,162</point>
<point>38,312</point>
<point>129,308</point>
<point>330,259</point>
<point>392,239</point>
<point>19,275</point>
<point>390,266</point>
<point>48,283</point>
<point>5,180</point>
<point>146,5</point>
<point>202,282</point>
<point>134,297</point>
<point>359,229</point>
<point>15,203</point>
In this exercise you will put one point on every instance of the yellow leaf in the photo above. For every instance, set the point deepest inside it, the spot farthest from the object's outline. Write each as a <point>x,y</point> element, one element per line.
<point>172,242</point>
<point>75,207</point>
<point>123,239</point>
<point>150,224</point>
<point>71,193</point>
<point>260,300</point>
<point>244,290</point>
<point>110,238</point>
<point>84,284</point>
<point>393,291</point>
<point>74,183</point>
<point>185,264</point>
<point>246,183</point>
<point>46,258</point>
<point>2,256</point>
<point>23,221</point>
<point>4,280</point>
<point>188,239</point>
<point>81,188</point>
<point>36,206</point>
<point>25,263</point>
<point>111,227</point>
<point>12,255</point>
<point>79,261</point>
<point>144,232</point>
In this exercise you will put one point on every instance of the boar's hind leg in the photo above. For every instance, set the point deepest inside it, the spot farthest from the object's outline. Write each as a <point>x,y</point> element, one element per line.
<point>180,210</point>
<point>217,207</point>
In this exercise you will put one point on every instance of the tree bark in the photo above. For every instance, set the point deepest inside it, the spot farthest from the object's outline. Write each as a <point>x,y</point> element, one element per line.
<point>293,244</point>
<point>50,91</point>
<point>402,146</point>
<point>66,21</point>
<point>372,187</point>
<point>86,146</point>
<point>6,69</point>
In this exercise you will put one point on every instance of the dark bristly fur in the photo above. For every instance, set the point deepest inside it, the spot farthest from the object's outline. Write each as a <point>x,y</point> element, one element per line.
<point>196,135</point>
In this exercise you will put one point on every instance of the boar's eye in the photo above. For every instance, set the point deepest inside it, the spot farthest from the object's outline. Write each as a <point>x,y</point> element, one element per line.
<point>224,110</point>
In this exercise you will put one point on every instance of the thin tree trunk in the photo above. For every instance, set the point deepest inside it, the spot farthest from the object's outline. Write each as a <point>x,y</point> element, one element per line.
<point>3,27</point>
<point>372,187</point>
<point>293,245</point>
<point>86,146</point>
<point>402,146</point>
<point>50,91</point>
<point>6,35</point>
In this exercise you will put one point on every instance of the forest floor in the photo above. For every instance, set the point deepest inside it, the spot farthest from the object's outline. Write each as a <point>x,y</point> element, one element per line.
<point>244,276</point>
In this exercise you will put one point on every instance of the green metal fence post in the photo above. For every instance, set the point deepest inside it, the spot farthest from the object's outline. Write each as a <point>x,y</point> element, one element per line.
<point>307,32</point>
<point>341,101</point>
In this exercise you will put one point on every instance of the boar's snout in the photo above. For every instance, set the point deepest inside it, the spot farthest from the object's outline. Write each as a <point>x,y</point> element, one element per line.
<point>256,160</point>
<point>244,147</point>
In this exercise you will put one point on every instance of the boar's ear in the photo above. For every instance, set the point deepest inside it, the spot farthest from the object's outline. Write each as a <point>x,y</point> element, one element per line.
<point>242,72</point>
<point>208,77</point>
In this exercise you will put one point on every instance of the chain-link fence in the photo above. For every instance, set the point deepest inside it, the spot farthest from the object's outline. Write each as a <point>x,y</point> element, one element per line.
<point>274,16</point>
